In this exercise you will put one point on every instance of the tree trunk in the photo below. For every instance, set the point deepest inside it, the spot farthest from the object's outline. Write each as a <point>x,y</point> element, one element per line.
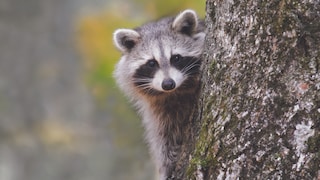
<point>261,92</point>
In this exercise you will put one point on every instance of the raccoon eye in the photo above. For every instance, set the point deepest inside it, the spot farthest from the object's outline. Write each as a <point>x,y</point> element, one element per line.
<point>175,58</point>
<point>152,63</point>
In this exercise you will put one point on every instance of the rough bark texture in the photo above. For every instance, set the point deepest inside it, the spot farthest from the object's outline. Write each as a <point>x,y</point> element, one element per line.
<point>261,92</point>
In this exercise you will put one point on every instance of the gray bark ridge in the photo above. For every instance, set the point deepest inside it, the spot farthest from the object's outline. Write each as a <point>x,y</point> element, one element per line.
<point>261,92</point>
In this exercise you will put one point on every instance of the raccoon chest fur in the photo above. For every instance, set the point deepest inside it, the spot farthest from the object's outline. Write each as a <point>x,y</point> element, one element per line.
<point>159,71</point>
<point>166,120</point>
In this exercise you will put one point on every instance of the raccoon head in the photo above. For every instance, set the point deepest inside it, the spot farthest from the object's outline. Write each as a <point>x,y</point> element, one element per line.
<point>162,56</point>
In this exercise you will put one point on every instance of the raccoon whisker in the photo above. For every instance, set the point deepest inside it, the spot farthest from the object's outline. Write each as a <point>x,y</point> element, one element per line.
<point>144,86</point>
<point>133,82</point>
<point>148,89</point>
<point>190,66</point>
<point>194,63</point>
<point>143,80</point>
<point>141,84</point>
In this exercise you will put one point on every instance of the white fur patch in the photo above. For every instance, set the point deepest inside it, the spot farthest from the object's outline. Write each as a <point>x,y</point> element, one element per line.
<point>167,51</point>
<point>156,52</point>
<point>173,73</point>
<point>177,76</point>
<point>157,80</point>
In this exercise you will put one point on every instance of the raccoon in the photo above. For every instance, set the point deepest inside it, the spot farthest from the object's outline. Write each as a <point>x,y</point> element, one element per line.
<point>160,72</point>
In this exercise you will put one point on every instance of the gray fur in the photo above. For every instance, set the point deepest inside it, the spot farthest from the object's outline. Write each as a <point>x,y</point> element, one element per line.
<point>165,113</point>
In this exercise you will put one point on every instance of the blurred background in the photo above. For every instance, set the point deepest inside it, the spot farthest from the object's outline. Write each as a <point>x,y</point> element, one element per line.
<point>61,115</point>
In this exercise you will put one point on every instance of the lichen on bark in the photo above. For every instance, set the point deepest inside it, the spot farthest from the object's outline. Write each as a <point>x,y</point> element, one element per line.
<point>260,99</point>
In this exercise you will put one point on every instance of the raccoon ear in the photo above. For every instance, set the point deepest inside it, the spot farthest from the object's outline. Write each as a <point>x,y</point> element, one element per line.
<point>125,39</point>
<point>186,22</point>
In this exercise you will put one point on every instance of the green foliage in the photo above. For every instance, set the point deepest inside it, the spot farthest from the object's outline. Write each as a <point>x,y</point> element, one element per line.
<point>159,8</point>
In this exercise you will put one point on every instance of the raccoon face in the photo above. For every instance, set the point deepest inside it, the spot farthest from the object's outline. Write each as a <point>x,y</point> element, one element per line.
<point>154,78</point>
<point>161,57</point>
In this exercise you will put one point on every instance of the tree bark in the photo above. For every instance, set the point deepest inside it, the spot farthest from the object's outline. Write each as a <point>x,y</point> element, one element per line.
<point>261,92</point>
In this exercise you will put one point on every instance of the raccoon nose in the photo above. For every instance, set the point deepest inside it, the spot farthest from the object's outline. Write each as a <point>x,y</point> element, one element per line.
<point>168,84</point>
